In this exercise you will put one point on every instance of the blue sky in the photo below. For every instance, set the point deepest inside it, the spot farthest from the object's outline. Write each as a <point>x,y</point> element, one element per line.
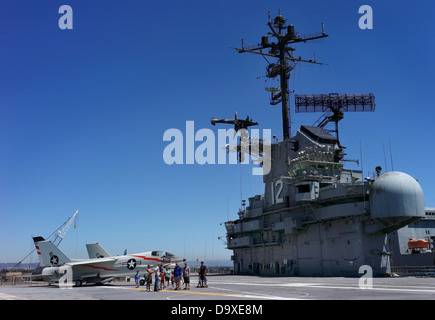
<point>83,111</point>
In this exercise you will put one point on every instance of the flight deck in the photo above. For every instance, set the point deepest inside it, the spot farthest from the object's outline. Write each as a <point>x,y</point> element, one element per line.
<point>236,287</point>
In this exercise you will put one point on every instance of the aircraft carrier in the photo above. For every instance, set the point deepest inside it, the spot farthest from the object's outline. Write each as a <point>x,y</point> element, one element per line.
<point>317,218</point>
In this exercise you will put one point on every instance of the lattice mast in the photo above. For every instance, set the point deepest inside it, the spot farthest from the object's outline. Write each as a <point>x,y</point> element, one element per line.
<point>286,62</point>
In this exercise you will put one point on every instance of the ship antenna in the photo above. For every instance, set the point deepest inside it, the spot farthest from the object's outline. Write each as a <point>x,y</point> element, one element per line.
<point>241,187</point>
<point>391,155</point>
<point>362,170</point>
<point>285,63</point>
<point>228,211</point>
<point>385,157</point>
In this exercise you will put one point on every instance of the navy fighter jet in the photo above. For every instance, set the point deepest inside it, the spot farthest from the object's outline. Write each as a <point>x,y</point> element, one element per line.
<point>56,266</point>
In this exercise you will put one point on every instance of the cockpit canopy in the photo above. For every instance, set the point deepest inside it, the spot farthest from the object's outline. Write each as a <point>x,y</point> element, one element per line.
<point>162,254</point>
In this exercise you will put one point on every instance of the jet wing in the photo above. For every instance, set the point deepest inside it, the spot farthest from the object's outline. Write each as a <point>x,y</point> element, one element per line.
<point>92,268</point>
<point>87,262</point>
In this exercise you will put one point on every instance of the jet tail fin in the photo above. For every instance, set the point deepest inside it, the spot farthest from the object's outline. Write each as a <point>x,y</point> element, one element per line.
<point>48,253</point>
<point>96,251</point>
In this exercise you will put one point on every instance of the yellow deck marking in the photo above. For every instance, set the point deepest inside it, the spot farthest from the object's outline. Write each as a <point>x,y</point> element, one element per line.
<point>4,296</point>
<point>195,292</point>
<point>249,296</point>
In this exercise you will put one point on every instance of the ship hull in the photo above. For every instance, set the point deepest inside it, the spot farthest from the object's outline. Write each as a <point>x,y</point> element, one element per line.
<point>336,248</point>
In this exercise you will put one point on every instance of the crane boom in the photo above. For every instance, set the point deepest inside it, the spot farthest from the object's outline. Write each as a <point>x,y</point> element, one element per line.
<point>63,229</point>
<point>60,234</point>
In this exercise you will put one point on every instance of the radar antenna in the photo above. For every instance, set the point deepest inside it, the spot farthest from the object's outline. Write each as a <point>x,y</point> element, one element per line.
<point>239,124</point>
<point>285,35</point>
<point>334,105</point>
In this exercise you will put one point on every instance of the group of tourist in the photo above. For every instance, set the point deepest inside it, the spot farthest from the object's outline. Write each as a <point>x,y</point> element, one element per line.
<point>179,275</point>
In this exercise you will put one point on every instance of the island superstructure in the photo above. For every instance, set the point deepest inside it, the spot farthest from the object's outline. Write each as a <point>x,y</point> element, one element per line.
<point>317,218</point>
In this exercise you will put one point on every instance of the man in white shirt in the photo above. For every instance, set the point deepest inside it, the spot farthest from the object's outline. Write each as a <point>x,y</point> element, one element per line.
<point>157,277</point>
